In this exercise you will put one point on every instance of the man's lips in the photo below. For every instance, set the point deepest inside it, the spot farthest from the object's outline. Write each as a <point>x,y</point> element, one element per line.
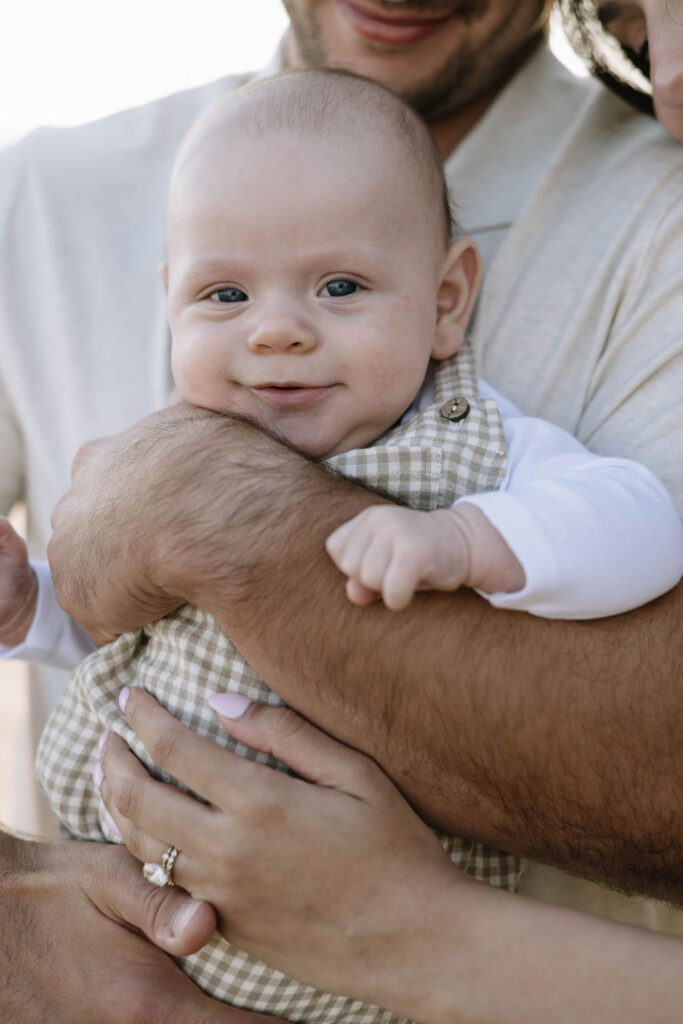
<point>291,396</point>
<point>391,30</point>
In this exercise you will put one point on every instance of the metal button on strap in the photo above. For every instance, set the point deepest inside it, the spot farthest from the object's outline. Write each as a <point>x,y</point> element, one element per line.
<point>455,408</point>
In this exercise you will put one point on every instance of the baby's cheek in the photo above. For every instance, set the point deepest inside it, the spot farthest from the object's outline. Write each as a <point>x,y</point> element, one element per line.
<point>193,373</point>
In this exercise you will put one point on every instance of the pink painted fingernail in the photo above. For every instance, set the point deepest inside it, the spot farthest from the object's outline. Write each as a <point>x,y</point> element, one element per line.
<point>98,774</point>
<point>123,698</point>
<point>112,826</point>
<point>229,705</point>
<point>103,739</point>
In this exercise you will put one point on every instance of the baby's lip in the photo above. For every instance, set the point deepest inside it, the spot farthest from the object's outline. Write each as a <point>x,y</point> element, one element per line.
<point>291,394</point>
<point>287,384</point>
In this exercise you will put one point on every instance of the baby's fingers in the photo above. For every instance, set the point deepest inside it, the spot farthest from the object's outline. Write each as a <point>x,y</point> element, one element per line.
<point>401,579</point>
<point>335,544</point>
<point>360,595</point>
<point>347,545</point>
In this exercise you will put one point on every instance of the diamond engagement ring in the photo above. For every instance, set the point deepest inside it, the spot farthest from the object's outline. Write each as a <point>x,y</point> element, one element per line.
<point>162,874</point>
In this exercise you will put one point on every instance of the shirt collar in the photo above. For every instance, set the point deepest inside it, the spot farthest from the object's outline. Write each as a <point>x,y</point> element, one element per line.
<point>500,161</point>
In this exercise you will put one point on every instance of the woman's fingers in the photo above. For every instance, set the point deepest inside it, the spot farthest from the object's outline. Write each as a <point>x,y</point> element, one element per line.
<point>227,780</point>
<point>149,815</point>
<point>307,750</point>
<point>197,762</point>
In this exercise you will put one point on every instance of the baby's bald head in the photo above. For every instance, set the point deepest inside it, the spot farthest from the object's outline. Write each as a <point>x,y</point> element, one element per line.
<point>349,111</point>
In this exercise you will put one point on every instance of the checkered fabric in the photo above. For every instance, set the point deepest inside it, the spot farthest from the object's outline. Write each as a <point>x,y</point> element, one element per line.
<point>426,462</point>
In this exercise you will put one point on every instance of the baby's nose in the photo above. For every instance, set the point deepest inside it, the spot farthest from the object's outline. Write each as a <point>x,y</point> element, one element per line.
<point>282,334</point>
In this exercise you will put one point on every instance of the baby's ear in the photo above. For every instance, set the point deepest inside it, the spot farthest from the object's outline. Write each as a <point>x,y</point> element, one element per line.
<point>456,296</point>
<point>162,271</point>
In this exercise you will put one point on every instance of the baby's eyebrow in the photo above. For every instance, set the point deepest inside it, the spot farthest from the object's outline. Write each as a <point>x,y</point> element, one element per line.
<point>205,271</point>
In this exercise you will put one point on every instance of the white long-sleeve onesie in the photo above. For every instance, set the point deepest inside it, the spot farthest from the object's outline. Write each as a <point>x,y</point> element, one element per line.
<point>595,536</point>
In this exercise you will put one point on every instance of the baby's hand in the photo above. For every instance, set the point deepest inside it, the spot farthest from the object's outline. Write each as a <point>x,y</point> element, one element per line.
<point>18,587</point>
<point>392,552</point>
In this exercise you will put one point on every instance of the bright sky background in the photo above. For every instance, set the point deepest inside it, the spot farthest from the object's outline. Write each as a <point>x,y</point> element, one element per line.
<point>69,61</point>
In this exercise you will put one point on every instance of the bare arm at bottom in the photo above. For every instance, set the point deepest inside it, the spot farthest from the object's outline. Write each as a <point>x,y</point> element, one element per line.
<point>72,945</point>
<point>558,740</point>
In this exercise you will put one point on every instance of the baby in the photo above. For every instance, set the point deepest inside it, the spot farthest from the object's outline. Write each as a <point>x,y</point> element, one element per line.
<point>313,288</point>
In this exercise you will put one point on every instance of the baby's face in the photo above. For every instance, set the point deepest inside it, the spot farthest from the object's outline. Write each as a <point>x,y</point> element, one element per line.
<point>302,291</point>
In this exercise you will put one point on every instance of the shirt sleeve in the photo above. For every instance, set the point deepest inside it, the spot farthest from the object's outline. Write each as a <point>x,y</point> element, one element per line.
<point>595,536</point>
<point>54,637</point>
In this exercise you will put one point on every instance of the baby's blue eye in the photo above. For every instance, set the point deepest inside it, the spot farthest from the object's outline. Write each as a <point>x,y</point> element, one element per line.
<point>229,295</point>
<point>338,289</point>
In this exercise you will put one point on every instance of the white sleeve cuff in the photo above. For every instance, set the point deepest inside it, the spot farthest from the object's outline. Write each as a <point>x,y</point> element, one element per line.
<point>54,638</point>
<point>582,558</point>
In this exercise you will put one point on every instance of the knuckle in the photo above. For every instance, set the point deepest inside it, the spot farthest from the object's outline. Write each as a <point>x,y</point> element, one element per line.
<point>371,579</point>
<point>285,723</point>
<point>126,795</point>
<point>229,862</point>
<point>163,747</point>
<point>82,456</point>
<point>254,814</point>
<point>366,772</point>
<point>158,905</point>
<point>133,839</point>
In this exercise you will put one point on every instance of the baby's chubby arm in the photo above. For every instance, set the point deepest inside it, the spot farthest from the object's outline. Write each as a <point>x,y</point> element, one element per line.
<point>570,534</point>
<point>18,587</point>
<point>393,552</point>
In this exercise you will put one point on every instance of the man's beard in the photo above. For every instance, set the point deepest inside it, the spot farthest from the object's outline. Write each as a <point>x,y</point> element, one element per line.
<point>466,75</point>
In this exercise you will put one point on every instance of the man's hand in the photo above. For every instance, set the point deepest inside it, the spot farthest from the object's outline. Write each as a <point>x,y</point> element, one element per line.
<point>72,949</point>
<point>134,536</point>
<point>18,587</point>
<point>125,494</point>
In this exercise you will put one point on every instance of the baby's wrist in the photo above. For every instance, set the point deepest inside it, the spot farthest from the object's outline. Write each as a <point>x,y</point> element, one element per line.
<point>17,624</point>
<point>492,565</point>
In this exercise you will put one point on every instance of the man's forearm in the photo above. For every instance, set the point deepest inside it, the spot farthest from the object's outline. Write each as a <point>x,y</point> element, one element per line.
<point>556,740</point>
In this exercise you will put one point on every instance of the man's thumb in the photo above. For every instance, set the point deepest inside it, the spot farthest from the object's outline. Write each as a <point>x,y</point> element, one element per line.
<point>168,916</point>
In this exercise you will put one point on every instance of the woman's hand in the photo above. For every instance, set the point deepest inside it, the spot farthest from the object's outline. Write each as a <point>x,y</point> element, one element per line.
<point>328,877</point>
<point>333,879</point>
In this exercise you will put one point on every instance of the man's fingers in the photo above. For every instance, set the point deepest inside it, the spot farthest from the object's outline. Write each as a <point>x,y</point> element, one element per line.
<point>88,452</point>
<point>168,916</point>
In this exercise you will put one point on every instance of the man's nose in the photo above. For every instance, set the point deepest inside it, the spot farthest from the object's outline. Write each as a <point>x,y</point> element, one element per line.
<point>283,333</point>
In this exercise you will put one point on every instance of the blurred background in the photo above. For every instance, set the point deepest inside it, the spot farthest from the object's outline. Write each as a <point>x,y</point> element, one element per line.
<point>65,62</point>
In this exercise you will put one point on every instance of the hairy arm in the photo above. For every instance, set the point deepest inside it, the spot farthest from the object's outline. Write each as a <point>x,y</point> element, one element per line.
<point>72,943</point>
<point>556,740</point>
